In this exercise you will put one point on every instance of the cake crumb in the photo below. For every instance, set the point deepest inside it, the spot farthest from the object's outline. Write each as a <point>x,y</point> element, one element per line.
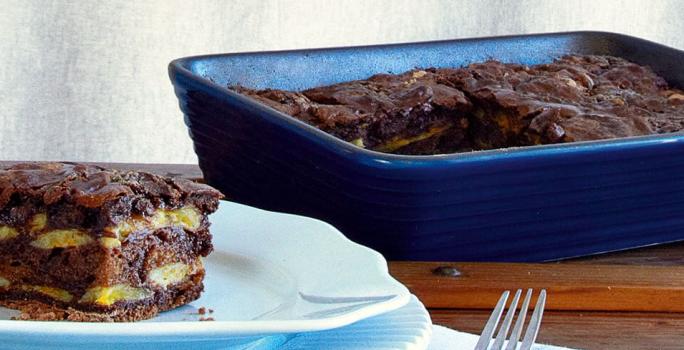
<point>202,310</point>
<point>206,319</point>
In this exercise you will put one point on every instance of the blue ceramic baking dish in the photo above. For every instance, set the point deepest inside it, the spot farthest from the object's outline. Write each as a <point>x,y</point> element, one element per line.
<point>524,204</point>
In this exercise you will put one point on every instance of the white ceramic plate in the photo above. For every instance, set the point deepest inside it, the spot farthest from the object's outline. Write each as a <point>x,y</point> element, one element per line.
<point>270,273</point>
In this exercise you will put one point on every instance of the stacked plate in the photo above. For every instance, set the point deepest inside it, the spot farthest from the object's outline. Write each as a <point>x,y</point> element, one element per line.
<point>273,281</point>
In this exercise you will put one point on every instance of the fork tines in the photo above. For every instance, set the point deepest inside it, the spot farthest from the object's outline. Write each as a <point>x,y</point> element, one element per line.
<point>493,322</point>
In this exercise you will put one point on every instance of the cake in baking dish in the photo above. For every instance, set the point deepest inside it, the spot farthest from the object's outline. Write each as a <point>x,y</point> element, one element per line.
<point>488,105</point>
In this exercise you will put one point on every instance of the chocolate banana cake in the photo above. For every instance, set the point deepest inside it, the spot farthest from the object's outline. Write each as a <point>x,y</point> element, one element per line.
<point>489,105</point>
<point>84,243</point>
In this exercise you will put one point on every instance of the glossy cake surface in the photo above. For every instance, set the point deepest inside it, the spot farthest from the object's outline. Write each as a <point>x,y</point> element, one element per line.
<point>489,105</point>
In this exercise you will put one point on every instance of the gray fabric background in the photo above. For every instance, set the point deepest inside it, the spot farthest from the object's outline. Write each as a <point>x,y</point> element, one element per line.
<point>86,80</point>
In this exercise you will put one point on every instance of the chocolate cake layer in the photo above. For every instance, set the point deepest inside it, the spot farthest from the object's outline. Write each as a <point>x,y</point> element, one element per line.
<point>489,105</point>
<point>385,112</point>
<point>113,245</point>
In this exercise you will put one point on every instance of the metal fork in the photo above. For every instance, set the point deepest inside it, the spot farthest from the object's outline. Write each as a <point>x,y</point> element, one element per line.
<point>532,327</point>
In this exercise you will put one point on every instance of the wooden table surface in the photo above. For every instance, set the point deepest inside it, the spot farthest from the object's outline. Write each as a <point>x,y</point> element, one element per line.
<point>624,300</point>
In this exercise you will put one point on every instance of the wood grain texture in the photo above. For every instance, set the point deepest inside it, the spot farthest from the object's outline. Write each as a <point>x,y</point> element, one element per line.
<point>587,330</point>
<point>671,254</point>
<point>570,286</point>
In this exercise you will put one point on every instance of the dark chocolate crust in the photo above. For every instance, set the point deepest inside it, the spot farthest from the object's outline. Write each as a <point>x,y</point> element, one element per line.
<point>92,197</point>
<point>82,207</point>
<point>377,110</point>
<point>489,105</point>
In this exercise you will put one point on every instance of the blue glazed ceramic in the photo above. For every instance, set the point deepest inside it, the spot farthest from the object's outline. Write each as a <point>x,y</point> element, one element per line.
<point>524,204</point>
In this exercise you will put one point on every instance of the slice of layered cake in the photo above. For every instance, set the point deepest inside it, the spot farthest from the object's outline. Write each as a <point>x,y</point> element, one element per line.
<point>83,243</point>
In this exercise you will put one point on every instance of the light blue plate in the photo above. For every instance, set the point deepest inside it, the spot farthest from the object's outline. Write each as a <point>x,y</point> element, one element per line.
<point>408,328</point>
